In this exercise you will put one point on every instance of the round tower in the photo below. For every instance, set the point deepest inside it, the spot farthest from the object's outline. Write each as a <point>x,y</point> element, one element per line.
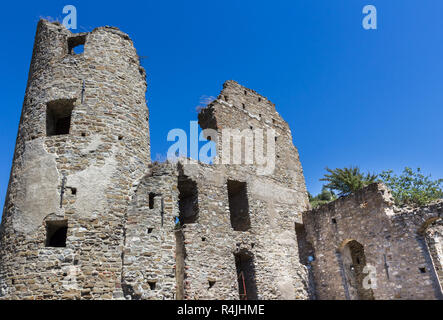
<point>83,141</point>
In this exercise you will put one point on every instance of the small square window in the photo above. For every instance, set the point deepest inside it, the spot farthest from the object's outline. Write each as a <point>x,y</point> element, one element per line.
<point>152,285</point>
<point>56,233</point>
<point>58,117</point>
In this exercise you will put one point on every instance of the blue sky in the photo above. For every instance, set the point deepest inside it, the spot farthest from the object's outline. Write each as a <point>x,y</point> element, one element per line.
<point>351,96</point>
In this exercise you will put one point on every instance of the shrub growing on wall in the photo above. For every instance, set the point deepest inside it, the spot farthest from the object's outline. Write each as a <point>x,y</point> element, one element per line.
<point>412,187</point>
<point>347,180</point>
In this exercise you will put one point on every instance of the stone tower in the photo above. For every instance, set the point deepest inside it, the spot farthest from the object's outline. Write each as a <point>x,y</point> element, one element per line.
<point>83,141</point>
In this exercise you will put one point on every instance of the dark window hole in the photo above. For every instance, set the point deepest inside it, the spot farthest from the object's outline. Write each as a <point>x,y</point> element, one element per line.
<point>152,285</point>
<point>188,200</point>
<point>238,205</point>
<point>58,117</point>
<point>56,233</point>
<point>151,200</point>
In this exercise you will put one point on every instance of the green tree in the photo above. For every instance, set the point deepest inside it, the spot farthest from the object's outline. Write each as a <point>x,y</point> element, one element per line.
<point>324,197</point>
<point>412,187</point>
<point>347,180</point>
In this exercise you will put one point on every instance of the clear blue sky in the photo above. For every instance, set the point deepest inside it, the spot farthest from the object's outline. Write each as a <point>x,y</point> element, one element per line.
<point>351,96</point>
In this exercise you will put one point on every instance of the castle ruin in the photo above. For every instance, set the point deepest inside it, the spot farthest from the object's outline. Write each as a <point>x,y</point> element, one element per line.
<point>88,216</point>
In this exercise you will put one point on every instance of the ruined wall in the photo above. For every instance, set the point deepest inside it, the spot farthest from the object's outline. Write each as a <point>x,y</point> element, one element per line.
<point>101,154</point>
<point>231,220</point>
<point>211,243</point>
<point>367,229</point>
<point>274,203</point>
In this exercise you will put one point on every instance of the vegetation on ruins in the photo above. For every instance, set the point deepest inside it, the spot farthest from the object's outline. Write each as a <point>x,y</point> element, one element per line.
<point>409,188</point>
<point>324,197</point>
<point>347,180</point>
<point>412,187</point>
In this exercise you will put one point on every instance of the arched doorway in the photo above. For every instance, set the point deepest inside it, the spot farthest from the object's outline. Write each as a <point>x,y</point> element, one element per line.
<point>353,262</point>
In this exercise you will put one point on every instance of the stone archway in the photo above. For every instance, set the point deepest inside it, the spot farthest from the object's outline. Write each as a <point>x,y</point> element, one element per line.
<point>353,261</point>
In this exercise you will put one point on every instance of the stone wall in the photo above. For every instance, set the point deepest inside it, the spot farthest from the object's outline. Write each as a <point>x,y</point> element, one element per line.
<point>275,202</point>
<point>210,251</point>
<point>367,229</point>
<point>212,244</point>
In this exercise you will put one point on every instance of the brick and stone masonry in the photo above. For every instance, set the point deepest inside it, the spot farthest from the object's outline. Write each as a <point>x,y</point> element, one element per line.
<point>88,216</point>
